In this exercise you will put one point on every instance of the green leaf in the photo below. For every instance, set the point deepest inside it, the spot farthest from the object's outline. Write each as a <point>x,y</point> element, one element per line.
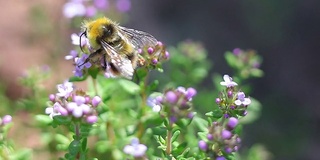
<point>61,120</point>
<point>61,139</point>
<point>179,149</point>
<point>159,130</point>
<point>77,79</point>
<point>141,73</point>
<point>43,119</point>
<point>217,113</point>
<point>74,147</point>
<point>93,72</point>
<point>200,123</point>
<point>129,86</point>
<point>203,135</point>
<point>84,144</point>
<point>231,59</point>
<point>175,135</point>
<point>255,72</point>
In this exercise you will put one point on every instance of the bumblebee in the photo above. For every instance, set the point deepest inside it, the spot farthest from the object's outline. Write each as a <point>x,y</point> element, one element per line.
<point>115,47</point>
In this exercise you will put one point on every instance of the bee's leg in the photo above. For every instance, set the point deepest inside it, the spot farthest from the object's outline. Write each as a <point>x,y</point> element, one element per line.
<point>91,56</point>
<point>104,62</point>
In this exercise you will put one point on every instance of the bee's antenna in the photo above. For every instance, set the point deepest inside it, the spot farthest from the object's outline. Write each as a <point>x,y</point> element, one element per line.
<point>85,34</point>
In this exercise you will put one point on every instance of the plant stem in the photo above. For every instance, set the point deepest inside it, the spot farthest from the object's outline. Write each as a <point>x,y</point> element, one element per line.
<point>169,136</point>
<point>94,81</point>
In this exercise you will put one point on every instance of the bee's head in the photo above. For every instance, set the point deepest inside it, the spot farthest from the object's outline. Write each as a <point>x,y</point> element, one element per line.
<point>98,30</point>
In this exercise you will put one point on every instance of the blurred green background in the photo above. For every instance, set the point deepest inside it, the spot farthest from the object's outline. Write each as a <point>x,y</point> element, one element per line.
<point>284,32</point>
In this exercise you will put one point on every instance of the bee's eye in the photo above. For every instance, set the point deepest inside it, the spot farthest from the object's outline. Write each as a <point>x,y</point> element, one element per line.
<point>107,31</point>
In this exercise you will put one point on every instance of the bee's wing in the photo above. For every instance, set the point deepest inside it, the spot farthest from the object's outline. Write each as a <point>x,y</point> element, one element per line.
<point>139,39</point>
<point>121,63</point>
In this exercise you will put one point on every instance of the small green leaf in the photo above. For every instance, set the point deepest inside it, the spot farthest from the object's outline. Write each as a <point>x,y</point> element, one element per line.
<point>175,135</point>
<point>44,119</point>
<point>217,113</point>
<point>129,86</point>
<point>93,72</point>
<point>202,135</point>
<point>74,147</point>
<point>61,120</point>
<point>231,59</point>
<point>179,149</point>
<point>77,79</point>
<point>61,139</point>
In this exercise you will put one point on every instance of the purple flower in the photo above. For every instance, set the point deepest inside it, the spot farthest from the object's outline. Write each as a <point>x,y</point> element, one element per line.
<point>64,89</point>
<point>232,122</point>
<point>6,119</point>
<point>101,4</point>
<point>80,64</point>
<point>181,90</point>
<point>225,134</point>
<point>73,9</point>
<point>78,110</point>
<point>79,100</point>
<point>190,93</point>
<point>135,148</point>
<point>150,50</point>
<point>53,111</point>
<point>166,55</point>
<point>123,5</point>
<point>92,119</point>
<point>91,11</point>
<point>218,100</point>
<point>95,101</point>
<point>230,93</point>
<point>154,104</point>
<point>220,158</point>
<point>237,51</point>
<point>171,97</point>
<point>210,137</point>
<point>72,55</point>
<point>52,97</point>
<point>154,61</point>
<point>228,81</point>
<point>242,100</point>
<point>228,149</point>
<point>202,145</point>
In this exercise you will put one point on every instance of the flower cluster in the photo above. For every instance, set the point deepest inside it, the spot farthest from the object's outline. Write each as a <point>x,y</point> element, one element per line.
<point>73,103</point>
<point>84,8</point>
<point>245,62</point>
<point>174,103</point>
<point>232,102</point>
<point>5,120</point>
<point>221,139</point>
<point>135,149</point>
<point>153,56</point>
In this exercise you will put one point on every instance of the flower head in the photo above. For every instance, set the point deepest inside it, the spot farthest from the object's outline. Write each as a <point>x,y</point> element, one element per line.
<point>81,64</point>
<point>135,148</point>
<point>242,100</point>
<point>228,81</point>
<point>5,119</point>
<point>72,55</point>
<point>154,103</point>
<point>64,89</point>
<point>202,145</point>
<point>53,111</point>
